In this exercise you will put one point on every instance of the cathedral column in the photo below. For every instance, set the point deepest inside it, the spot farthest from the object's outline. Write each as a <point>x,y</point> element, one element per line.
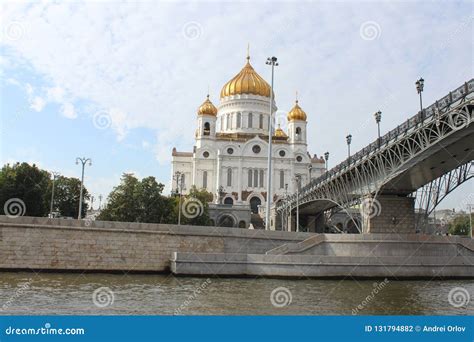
<point>218,175</point>
<point>239,181</point>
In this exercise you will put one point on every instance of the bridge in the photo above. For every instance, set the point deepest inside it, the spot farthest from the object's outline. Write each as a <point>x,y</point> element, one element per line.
<point>416,164</point>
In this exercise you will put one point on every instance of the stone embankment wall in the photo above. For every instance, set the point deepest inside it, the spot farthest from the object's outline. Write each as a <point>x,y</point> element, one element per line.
<point>30,243</point>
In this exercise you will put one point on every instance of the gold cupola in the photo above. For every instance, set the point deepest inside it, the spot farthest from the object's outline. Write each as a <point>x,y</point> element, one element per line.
<point>296,113</point>
<point>279,133</point>
<point>247,81</point>
<point>207,108</point>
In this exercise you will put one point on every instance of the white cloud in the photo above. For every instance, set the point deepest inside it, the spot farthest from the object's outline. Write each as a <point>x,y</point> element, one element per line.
<point>67,109</point>
<point>37,103</point>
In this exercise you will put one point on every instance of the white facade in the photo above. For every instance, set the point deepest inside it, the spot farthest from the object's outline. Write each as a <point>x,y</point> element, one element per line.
<point>231,152</point>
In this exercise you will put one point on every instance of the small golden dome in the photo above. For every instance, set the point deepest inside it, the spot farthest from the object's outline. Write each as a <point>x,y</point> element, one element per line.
<point>207,108</point>
<point>279,133</point>
<point>247,81</point>
<point>296,113</point>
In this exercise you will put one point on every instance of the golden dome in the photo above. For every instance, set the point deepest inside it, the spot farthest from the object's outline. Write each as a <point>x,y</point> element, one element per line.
<point>279,133</point>
<point>296,113</point>
<point>247,81</point>
<point>207,108</point>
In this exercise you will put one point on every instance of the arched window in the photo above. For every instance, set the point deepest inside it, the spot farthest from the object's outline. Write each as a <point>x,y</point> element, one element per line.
<point>250,120</point>
<point>260,122</point>
<point>204,179</point>
<point>298,133</point>
<point>222,122</point>
<point>228,121</point>
<point>250,179</point>
<point>255,178</point>
<point>207,128</point>
<point>282,179</point>
<point>239,120</point>
<point>229,177</point>
<point>261,178</point>
<point>228,200</point>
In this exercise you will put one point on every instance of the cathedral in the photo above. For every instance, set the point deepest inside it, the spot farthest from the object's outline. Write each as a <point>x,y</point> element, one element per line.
<point>230,154</point>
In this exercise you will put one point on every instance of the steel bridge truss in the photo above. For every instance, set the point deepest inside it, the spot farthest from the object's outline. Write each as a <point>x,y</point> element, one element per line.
<point>364,173</point>
<point>430,195</point>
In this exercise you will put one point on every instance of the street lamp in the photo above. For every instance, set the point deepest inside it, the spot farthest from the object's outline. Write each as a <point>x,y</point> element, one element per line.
<point>326,158</point>
<point>470,220</point>
<point>92,202</point>
<point>100,202</point>
<point>297,181</point>
<point>83,161</point>
<point>419,88</point>
<point>55,175</point>
<point>349,140</point>
<point>179,189</point>
<point>273,62</point>
<point>378,118</point>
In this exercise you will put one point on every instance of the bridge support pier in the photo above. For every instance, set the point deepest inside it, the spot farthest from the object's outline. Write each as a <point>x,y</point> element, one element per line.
<point>388,214</point>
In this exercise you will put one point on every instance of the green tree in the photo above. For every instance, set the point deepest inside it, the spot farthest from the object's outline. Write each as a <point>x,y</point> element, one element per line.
<point>66,196</point>
<point>137,201</point>
<point>194,207</point>
<point>459,226</point>
<point>29,184</point>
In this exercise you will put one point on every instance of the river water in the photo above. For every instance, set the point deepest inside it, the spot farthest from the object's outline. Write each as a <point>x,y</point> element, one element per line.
<point>97,294</point>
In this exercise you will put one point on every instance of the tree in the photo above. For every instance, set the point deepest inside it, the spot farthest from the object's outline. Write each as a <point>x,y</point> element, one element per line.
<point>137,201</point>
<point>66,196</point>
<point>459,226</point>
<point>33,186</point>
<point>29,184</point>
<point>194,207</point>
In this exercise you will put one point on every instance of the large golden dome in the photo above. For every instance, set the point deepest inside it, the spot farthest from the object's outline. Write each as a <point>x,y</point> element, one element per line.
<point>247,81</point>
<point>296,113</point>
<point>207,108</point>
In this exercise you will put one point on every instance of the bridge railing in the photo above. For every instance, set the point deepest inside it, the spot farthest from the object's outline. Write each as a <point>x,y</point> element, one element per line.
<point>414,121</point>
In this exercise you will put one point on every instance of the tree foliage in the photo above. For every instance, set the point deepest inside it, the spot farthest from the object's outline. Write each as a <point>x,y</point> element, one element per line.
<point>137,201</point>
<point>143,201</point>
<point>459,226</point>
<point>33,186</point>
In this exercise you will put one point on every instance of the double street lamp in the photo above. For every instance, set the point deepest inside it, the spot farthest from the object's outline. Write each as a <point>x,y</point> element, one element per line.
<point>83,161</point>
<point>349,140</point>
<point>326,158</point>
<point>55,175</point>
<point>378,118</point>
<point>272,61</point>
<point>179,176</point>
<point>419,88</point>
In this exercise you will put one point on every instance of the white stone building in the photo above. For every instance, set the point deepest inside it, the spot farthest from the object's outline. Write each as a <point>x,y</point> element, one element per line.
<point>230,152</point>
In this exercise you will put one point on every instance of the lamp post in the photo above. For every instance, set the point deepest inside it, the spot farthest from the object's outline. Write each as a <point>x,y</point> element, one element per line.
<point>92,202</point>
<point>378,118</point>
<point>297,181</point>
<point>470,220</point>
<point>100,202</point>
<point>286,210</point>
<point>272,61</point>
<point>83,161</point>
<point>326,158</point>
<point>179,189</point>
<point>55,175</point>
<point>419,88</point>
<point>349,140</point>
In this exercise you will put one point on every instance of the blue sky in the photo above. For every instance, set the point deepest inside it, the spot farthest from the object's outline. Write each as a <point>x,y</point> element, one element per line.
<point>120,82</point>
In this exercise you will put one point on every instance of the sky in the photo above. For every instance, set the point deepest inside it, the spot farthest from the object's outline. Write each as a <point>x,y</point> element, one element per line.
<point>120,81</point>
